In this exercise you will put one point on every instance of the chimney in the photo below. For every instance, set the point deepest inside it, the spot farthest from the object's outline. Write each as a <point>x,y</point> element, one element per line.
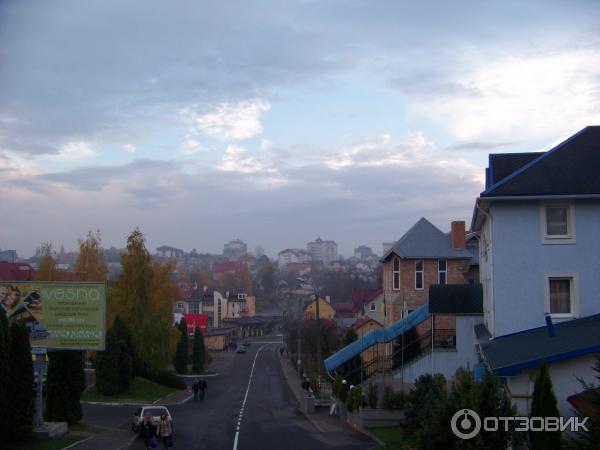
<point>458,234</point>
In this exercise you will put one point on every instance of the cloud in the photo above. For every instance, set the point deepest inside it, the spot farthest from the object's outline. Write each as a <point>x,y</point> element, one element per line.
<point>129,148</point>
<point>479,145</point>
<point>230,121</point>
<point>76,150</point>
<point>190,146</point>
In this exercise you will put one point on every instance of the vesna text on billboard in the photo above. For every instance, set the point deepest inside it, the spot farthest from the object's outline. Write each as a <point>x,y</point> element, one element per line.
<point>58,315</point>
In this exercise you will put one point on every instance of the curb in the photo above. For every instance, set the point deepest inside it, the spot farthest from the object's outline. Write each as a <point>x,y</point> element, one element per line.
<point>114,403</point>
<point>77,443</point>
<point>199,376</point>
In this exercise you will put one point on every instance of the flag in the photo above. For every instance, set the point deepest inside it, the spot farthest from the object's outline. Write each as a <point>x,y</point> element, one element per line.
<point>384,307</point>
<point>362,310</point>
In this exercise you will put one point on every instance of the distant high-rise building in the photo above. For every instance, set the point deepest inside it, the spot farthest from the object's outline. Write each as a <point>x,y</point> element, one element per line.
<point>324,251</point>
<point>9,256</point>
<point>259,250</point>
<point>363,252</point>
<point>235,249</point>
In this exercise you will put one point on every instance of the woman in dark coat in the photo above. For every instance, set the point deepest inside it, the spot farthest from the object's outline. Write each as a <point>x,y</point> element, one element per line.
<point>147,430</point>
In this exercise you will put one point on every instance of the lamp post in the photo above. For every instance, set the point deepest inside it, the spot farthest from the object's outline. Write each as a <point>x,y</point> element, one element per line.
<point>299,336</point>
<point>319,356</point>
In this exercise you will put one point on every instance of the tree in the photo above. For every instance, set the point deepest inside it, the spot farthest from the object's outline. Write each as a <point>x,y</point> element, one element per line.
<point>108,380</point>
<point>350,337</point>
<point>494,402</point>
<point>126,352</point>
<point>20,382</point>
<point>198,352</point>
<point>48,270</point>
<point>144,296</point>
<point>588,440</point>
<point>4,373</point>
<point>266,277</point>
<point>91,264</point>
<point>182,352</point>
<point>64,386</point>
<point>544,404</point>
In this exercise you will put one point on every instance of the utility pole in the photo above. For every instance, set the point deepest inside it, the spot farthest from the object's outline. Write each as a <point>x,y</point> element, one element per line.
<point>299,337</point>
<point>319,356</point>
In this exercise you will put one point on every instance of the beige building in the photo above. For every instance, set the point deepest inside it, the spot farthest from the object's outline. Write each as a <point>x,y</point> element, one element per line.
<point>326,311</point>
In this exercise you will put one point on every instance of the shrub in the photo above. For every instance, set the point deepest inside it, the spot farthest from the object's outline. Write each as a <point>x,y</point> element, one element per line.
<point>354,399</point>
<point>372,395</point>
<point>393,400</point>
<point>168,379</point>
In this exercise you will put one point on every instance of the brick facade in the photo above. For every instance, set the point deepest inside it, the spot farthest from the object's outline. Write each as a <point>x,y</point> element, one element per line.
<point>414,298</point>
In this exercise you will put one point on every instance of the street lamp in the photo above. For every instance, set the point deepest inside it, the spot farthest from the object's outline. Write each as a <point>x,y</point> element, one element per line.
<point>319,356</point>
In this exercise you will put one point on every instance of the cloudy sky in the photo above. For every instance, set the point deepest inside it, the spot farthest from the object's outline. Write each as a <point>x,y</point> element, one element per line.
<point>273,121</point>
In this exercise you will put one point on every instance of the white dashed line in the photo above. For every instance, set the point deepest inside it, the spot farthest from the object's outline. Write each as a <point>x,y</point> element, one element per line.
<point>237,430</point>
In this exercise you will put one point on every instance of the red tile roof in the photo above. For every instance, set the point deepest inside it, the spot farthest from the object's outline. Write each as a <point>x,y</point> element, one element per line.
<point>16,271</point>
<point>360,296</point>
<point>584,401</point>
<point>343,309</point>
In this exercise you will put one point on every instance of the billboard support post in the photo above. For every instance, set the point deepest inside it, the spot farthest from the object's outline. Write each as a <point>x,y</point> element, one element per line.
<point>40,366</point>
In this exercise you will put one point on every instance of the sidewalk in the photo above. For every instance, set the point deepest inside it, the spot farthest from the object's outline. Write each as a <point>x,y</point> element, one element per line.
<point>332,427</point>
<point>112,438</point>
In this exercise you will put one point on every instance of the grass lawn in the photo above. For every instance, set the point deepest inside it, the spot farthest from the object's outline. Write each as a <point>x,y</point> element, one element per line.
<point>56,443</point>
<point>141,390</point>
<point>392,436</point>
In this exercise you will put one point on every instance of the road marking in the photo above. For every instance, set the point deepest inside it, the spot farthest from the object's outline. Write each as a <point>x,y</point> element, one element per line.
<point>237,431</point>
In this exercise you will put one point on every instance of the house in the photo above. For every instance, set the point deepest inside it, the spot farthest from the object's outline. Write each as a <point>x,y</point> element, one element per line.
<point>232,268</point>
<point>12,271</point>
<point>292,256</point>
<point>360,296</point>
<point>373,306</point>
<point>166,252</point>
<point>538,222</point>
<point>344,310</point>
<point>423,256</point>
<point>235,249</point>
<point>372,355</point>
<point>326,311</point>
<point>323,251</point>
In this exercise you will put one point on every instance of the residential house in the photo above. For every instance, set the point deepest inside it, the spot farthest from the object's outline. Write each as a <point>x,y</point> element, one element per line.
<point>371,356</point>
<point>13,271</point>
<point>235,249</point>
<point>539,226</point>
<point>424,256</point>
<point>221,269</point>
<point>292,256</point>
<point>326,311</point>
<point>166,252</point>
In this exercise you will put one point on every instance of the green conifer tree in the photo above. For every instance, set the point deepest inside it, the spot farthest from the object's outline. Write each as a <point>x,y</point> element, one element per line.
<point>20,393</point>
<point>180,362</point>
<point>127,354</point>
<point>198,352</point>
<point>544,404</point>
<point>108,381</point>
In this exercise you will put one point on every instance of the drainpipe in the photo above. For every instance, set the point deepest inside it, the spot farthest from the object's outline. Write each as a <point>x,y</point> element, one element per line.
<point>549,325</point>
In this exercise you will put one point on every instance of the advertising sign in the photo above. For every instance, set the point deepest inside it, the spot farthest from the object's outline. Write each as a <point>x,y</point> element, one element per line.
<point>196,320</point>
<point>58,315</point>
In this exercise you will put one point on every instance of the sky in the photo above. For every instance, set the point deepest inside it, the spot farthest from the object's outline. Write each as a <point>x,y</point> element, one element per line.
<point>275,122</point>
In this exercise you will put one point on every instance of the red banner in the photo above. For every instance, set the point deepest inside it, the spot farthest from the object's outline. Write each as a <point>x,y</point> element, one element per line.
<point>196,320</point>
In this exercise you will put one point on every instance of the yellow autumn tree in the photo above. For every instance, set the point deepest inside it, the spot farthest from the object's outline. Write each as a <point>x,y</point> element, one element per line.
<point>143,299</point>
<point>90,264</point>
<point>47,270</point>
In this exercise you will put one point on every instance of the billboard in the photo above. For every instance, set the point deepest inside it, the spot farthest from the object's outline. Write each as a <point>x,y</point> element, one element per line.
<point>196,320</point>
<point>58,315</point>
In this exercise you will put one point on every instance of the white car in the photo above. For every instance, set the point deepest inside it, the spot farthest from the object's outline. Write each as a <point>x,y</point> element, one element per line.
<point>155,411</point>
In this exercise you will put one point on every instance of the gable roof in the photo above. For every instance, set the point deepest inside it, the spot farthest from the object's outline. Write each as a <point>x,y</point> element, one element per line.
<point>570,168</point>
<point>362,296</point>
<point>502,165</point>
<point>425,240</point>
<point>510,354</point>
<point>365,320</point>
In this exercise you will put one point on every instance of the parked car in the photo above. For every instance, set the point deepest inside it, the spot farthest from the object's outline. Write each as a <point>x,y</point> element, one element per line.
<point>240,349</point>
<point>155,411</point>
<point>246,342</point>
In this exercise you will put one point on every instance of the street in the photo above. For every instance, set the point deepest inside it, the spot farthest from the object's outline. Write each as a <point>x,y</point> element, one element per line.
<point>268,420</point>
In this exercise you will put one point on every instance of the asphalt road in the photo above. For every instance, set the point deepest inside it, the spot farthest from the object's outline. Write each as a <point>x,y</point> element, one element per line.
<point>269,418</point>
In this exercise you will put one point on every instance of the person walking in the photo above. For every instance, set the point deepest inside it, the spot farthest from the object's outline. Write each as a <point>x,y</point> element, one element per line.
<point>164,431</point>
<point>202,387</point>
<point>195,386</point>
<point>148,432</point>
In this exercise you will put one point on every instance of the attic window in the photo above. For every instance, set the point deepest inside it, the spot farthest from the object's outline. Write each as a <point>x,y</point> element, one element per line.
<point>419,274</point>
<point>372,307</point>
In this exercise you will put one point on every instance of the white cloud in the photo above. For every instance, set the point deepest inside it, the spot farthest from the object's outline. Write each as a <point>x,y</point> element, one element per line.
<point>230,121</point>
<point>236,159</point>
<point>190,146</point>
<point>521,96</point>
<point>76,150</point>
<point>130,148</point>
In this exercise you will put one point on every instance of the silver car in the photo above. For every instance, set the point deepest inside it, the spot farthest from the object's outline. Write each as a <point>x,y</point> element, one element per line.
<point>154,411</point>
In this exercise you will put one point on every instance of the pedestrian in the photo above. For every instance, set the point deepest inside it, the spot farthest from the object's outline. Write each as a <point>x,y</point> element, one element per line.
<point>195,386</point>
<point>148,432</point>
<point>280,351</point>
<point>164,431</point>
<point>202,387</point>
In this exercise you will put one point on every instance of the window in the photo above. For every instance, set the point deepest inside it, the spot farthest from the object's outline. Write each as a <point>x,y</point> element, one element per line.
<point>419,274</point>
<point>557,223</point>
<point>396,274</point>
<point>180,306</point>
<point>561,295</point>
<point>194,308</point>
<point>372,307</point>
<point>442,271</point>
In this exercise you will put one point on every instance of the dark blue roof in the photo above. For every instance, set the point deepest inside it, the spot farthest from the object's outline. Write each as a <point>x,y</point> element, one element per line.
<point>570,168</point>
<point>508,355</point>
<point>425,240</point>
